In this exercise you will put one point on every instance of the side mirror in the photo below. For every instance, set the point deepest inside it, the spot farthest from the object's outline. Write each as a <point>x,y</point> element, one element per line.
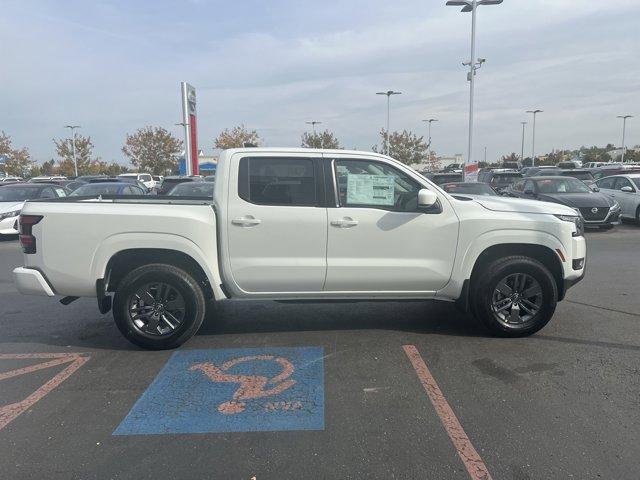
<point>627,189</point>
<point>595,189</point>
<point>426,198</point>
<point>528,191</point>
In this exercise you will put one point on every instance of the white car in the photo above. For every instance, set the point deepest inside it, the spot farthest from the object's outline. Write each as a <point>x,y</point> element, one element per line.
<point>12,198</point>
<point>11,179</point>
<point>145,178</point>
<point>303,225</point>
<point>47,179</point>
<point>625,189</point>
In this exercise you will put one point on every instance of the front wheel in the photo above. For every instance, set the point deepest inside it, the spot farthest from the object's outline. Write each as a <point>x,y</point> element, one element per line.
<point>158,306</point>
<point>514,296</point>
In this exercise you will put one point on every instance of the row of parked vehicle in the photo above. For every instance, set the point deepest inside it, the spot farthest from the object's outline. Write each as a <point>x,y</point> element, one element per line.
<point>14,191</point>
<point>602,198</point>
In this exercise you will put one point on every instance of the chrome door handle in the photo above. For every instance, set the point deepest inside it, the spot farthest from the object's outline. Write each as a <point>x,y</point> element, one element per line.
<point>344,222</point>
<point>248,221</point>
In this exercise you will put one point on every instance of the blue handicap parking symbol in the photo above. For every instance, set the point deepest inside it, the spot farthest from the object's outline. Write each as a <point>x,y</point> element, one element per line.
<point>232,390</point>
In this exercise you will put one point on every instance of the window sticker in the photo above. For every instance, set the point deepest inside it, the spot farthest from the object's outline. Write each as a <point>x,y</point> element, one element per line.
<point>371,190</point>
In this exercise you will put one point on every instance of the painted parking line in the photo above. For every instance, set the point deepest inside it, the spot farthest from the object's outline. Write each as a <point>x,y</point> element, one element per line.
<point>232,390</point>
<point>11,411</point>
<point>473,463</point>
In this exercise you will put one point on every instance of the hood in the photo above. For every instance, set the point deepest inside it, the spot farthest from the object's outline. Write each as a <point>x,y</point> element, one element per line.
<point>10,206</point>
<point>519,205</point>
<point>578,200</point>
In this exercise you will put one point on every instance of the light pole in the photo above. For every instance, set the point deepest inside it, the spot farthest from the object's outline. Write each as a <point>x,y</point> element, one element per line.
<point>313,124</point>
<point>473,64</point>
<point>73,145</point>
<point>430,121</point>
<point>533,143</point>
<point>388,93</point>
<point>624,129</point>
<point>524,124</point>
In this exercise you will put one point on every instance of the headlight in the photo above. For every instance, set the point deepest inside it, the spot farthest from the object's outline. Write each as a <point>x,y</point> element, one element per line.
<point>15,213</point>
<point>576,220</point>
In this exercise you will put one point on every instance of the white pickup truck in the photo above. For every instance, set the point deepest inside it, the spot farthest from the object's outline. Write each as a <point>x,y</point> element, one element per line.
<point>301,225</point>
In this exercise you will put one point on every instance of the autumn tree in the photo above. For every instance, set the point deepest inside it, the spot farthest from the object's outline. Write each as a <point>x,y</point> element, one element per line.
<point>17,161</point>
<point>404,146</point>
<point>326,140</point>
<point>87,165</point>
<point>236,137</point>
<point>153,150</point>
<point>512,157</point>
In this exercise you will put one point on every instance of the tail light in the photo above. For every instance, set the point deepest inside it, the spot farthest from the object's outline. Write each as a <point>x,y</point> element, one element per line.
<point>27,240</point>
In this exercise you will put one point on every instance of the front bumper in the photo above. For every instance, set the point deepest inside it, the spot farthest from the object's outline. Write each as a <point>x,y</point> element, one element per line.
<point>31,282</point>
<point>9,226</point>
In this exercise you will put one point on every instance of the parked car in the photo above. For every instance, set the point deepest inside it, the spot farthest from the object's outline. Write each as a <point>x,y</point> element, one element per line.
<point>210,178</point>
<point>597,209</point>
<point>157,181</point>
<point>608,171</point>
<point>144,178</point>
<point>581,174</point>
<point>534,170</point>
<point>593,164</point>
<point>192,189</point>
<point>303,224</point>
<point>453,167</point>
<point>569,164</point>
<point>12,199</point>
<point>469,188</point>
<point>11,179</point>
<point>441,178</point>
<point>107,188</point>
<point>129,180</point>
<point>52,179</point>
<point>500,179</point>
<point>624,189</point>
<point>169,182</point>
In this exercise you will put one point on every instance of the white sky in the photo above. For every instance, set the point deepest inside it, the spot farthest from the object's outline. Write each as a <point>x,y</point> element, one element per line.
<point>114,66</point>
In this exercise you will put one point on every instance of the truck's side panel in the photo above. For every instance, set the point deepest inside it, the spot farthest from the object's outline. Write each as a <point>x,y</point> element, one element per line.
<point>76,242</point>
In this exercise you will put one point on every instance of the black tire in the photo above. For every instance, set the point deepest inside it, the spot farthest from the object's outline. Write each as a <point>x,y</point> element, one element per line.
<point>638,215</point>
<point>484,290</point>
<point>180,281</point>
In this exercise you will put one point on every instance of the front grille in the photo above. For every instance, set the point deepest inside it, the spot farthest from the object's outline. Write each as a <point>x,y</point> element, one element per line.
<point>590,216</point>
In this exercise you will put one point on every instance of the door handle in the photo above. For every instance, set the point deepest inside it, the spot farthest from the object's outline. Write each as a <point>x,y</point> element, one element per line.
<point>248,221</point>
<point>345,222</point>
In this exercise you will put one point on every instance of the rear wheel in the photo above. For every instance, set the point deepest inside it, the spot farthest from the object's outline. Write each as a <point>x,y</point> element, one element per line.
<point>158,306</point>
<point>514,296</point>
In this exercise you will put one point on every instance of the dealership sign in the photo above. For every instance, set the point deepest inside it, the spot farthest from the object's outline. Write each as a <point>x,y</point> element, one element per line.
<point>191,127</point>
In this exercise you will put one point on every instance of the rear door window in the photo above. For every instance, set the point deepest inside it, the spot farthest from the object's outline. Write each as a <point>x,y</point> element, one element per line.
<point>606,183</point>
<point>278,181</point>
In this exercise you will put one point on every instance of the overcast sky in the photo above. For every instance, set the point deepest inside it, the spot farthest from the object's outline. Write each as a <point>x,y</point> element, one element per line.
<point>114,66</point>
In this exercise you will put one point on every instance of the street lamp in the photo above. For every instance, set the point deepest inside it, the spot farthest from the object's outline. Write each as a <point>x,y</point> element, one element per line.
<point>313,124</point>
<point>524,124</point>
<point>388,93</point>
<point>624,128</point>
<point>73,145</point>
<point>533,143</point>
<point>430,121</point>
<point>473,64</point>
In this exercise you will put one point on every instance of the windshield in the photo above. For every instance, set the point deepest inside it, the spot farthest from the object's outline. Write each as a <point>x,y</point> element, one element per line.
<point>469,189</point>
<point>505,178</point>
<point>19,194</point>
<point>562,185</point>
<point>98,189</point>
<point>192,189</point>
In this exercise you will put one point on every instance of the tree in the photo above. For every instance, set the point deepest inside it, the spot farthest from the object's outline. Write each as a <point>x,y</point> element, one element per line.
<point>84,152</point>
<point>153,150</point>
<point>17,161</point>
<point>404,146</point>
<point>512,157</point>
<point>324,139</point>
<point>236,138</point>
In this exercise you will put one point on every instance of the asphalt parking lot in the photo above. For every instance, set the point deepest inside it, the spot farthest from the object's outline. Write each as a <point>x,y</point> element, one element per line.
<point>382,390</point>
